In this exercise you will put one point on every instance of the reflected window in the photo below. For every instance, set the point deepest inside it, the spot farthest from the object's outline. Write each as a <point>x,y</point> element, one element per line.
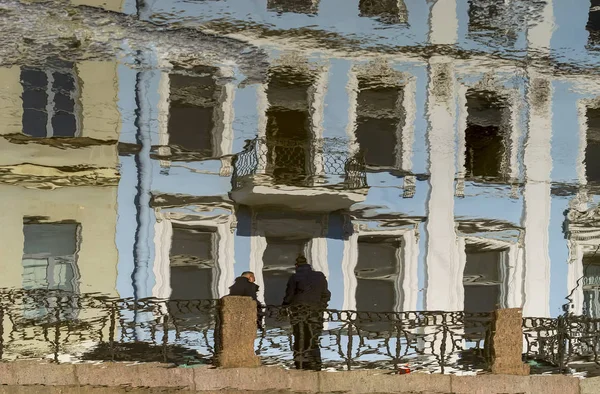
<point>193,258</point>
<point>593,24</point>
<point>194,122</point>
<point>591,285</point>
<point>386,11</point>
<point>279,259</point>
<point>496,17</point>
<point>379,123</point>
<point>485,136</point>
<point>50,101</point>
<point>592,150</point>
<point>377,272</point>
<point>50,262</point>
<point>288,133</point>
<point>483,279</point>
<point>295,6</point>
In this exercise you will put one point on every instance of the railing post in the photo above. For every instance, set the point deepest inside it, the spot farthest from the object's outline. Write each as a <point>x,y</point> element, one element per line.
<point>507,342</point>
<point>237,333</point>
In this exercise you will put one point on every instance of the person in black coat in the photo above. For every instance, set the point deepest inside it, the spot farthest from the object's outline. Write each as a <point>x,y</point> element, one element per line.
<point>307,294</point>
<point>244,286</point>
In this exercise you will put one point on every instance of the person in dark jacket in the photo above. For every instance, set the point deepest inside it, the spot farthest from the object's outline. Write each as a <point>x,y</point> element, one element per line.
<point>307,294</point>
<point>244,286</point>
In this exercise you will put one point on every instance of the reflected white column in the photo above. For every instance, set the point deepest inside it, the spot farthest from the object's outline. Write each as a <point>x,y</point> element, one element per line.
<point>225,259</point>
<point>515,134</point>
<point>164,91</point>
<point>258,245</point>
<point>539,35</point>
<point>443,22</point>
<point>444,288</point>
<point>574,276</point>
<point>407,136</point>
<point>352,90</point>
<point>349,262</point>
<point>227,112</point>
<point>318,255</point>
<point>514,276</point>
<point>582,121</point>
<point>163,235</point>
<point>262,105</point>
<point>410,266</point>
<point>537,197</point>
<point>461,155</point>
<point>317,114</point>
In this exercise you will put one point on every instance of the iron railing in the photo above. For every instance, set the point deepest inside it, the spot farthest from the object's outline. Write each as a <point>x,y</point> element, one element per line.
<point>317,162</point>
<point>63,326</point>
<point>442,342</point>
<point>566,344</point>
<point>66,327</point>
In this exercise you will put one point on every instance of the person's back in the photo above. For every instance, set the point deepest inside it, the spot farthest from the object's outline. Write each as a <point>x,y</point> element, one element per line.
<point>307,287</point>
<point>244,286</point>
<point>308,295</point>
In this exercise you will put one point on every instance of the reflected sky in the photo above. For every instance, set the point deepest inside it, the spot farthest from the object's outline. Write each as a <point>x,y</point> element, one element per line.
<point>424,156</point>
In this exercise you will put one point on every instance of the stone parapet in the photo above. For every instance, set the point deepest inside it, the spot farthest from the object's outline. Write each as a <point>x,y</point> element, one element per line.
<point>23,376</point>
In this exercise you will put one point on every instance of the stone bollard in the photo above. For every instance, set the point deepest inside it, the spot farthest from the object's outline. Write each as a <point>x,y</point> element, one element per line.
<point>507,342</point>
<point>236,333</point>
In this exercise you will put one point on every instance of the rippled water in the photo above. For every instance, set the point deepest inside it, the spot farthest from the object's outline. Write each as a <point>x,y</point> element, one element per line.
<point>438,155</point>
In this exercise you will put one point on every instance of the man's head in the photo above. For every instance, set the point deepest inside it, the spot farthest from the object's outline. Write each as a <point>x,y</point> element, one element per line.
<point>249,275</point>
<point>301,260</point>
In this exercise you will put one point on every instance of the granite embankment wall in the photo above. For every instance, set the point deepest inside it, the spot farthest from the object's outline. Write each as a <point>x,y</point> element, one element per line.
<point>34,377</point>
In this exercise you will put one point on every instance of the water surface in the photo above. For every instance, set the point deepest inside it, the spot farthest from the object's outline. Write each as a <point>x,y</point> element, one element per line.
<point>423,155</point>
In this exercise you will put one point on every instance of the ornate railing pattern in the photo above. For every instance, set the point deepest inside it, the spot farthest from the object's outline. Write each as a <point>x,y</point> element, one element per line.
<point>565,344</point>
<point>317,162</point>
<point>64,326</point>
<point>443,342</point>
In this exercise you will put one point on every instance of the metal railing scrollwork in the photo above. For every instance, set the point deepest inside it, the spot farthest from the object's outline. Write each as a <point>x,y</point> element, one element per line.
<point>302,163</point>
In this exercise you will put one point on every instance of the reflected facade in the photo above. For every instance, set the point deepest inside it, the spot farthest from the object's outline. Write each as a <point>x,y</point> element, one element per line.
<point>443,182</point>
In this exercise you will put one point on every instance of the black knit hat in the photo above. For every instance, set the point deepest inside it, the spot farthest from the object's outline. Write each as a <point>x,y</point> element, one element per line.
<point>301,260</point>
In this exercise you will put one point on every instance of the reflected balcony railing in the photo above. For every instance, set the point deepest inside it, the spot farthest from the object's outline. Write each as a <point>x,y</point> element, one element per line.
<point>98,328</point>
<point>300,163</point>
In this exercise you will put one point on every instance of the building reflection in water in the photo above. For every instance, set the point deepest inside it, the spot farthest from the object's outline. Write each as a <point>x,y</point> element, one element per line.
<point>385,11</point>
<point>445,188</point>
<point>296,6</point>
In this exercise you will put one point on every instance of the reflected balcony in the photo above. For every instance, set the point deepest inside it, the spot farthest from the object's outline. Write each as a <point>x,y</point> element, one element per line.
<point>316,175</point>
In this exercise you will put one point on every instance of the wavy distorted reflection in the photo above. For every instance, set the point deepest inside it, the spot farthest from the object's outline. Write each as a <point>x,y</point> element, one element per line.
<point>439,157</point>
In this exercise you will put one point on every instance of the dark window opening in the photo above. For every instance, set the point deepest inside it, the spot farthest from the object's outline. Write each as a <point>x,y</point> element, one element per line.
<point>380,118</point>
<point>310,7</point>
<point>377,272</point>
<point>495,17</point>
<point>593,24</point>
<point>49,94</point>
<point>288,130</point>
<point>50,262</point>
<point>194,99</point>
<point>386,11</point>
<point>592,150</point>
<point>193,262</point>
<point>485,139</point>
<point>482,279</point>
